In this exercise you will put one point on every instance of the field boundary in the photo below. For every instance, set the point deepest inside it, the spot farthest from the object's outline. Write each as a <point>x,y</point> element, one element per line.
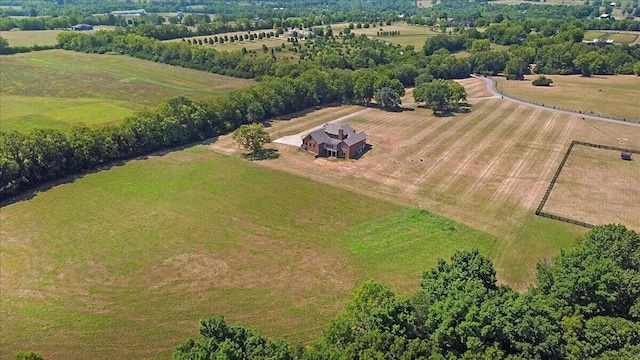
<point>590,114</point>
<point>545,197</point>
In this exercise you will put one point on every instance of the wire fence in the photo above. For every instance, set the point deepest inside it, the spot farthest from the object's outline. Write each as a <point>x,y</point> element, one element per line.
<point>539,211</point>
<point>577,112</point>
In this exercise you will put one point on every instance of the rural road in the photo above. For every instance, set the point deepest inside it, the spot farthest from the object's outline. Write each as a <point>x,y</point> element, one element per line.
<point>491,88</point>
<point>296,139</point>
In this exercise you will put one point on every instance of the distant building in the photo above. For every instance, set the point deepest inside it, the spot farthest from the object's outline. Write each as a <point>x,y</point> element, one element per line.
<point>335,140</point>
<point>605,16</point>
<point>598,41</point>
<point>137,12</point>
<point>82,27</point>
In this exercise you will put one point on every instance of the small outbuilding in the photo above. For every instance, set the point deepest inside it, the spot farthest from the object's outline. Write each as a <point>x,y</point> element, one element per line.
<point>82,27</point>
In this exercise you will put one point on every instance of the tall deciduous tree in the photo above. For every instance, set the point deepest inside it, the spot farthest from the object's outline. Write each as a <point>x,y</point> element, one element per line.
<point>251,137</point>
<point>388,98</point>
<point>440,95</point>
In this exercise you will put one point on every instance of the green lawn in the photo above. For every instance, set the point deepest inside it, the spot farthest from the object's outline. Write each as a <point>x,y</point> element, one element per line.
<point>124,262</point>
<point>60,88</point>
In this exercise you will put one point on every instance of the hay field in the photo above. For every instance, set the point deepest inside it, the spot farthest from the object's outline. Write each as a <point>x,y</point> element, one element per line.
<point>597,187</point>
<point>610,95</point>
<point>58,88</point>
<point>30,38</point>
<point>488,168</point>
<point>123,263</point>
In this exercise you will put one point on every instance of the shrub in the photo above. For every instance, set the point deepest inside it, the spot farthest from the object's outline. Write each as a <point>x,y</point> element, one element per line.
<point>542,81</point>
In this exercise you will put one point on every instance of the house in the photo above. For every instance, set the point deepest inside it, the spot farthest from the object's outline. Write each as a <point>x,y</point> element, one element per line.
<point>605,17</point>
<point>335,140</point>
<point>126,13</point>
<point>82,27</point>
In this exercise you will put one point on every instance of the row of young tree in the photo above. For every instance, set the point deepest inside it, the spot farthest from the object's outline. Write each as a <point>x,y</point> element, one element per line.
<point>585,305</point>
<point>44,154</point>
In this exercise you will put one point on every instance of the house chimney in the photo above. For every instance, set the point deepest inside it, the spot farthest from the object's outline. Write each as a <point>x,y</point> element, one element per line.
<point>340,133</point>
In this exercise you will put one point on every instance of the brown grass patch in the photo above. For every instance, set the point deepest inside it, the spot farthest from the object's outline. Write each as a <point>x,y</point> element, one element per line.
<point>597,187</point>
<point>614,96</point>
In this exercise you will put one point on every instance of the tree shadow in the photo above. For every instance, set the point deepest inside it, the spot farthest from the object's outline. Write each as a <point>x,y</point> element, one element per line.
<point>263,154</point>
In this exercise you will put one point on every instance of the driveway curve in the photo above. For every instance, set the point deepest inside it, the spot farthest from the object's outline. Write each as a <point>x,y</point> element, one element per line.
<point>491,88</point>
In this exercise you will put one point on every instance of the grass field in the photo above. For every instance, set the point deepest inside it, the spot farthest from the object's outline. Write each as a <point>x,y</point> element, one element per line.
<point>409,34</point>
<point>58,88</point>
<point>488,168</point>
<point>124,263</point>
<point>619,37</point>
<point>247,44</point>
<point>597,187</point>
<point>606,95</point>
<point>30,38</point>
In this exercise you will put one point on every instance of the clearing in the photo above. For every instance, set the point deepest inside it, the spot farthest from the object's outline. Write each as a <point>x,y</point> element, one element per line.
<point>597,187</point>
<point>123,263</point>
<point>31,38</point>
<point>58,88</point>
<point>612,95</point>
<point>409,34</point>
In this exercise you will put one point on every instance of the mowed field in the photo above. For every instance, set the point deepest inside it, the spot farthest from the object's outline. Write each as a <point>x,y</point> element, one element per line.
<point>597,187</point>
<point>409,34</point>
<point>255,44</point>
<point>123,263</point>
<point>58,88</point>
<point>488,168</point>
<point>31,38</point>
<point>612,95</point>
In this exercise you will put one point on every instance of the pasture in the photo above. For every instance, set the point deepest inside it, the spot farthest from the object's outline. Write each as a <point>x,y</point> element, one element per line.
<point>409,34</point>
<point>123,263</point>
<point>609,95</point>
<point>58,88</point>
<point>488,168</point>
<point>31,38</point>
<point>597,187</point>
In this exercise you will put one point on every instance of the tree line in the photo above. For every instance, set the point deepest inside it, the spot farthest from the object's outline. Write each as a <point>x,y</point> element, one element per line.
<point>45,154</point>
<point>585,305</point>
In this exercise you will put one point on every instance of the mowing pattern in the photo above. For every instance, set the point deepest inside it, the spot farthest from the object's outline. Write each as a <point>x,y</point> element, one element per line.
<point>488,168</point>
<point>596,187</point>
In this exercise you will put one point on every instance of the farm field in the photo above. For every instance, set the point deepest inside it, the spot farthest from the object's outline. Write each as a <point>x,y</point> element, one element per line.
<point>58,88</point>
<point>595,186</point>
<point>123,263</point>
<point>488,168</point>
<point>620,37</point>
<point>610,95</point>
<point>409,34</point>
<point>238,45</point>
<point>30,38</point>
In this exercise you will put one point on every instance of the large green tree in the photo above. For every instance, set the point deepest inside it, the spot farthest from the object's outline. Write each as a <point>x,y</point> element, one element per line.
<point>251,137</point>
<point>440,95</point>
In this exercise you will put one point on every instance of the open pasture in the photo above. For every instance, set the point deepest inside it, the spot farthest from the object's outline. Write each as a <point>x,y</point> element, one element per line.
<point>611,95</point>
<point>31,38</point>
<point>123,263</point>
<point>60,88</point>
<point>597,187</point>
<point>488,168</point>
<point>409,34</point>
